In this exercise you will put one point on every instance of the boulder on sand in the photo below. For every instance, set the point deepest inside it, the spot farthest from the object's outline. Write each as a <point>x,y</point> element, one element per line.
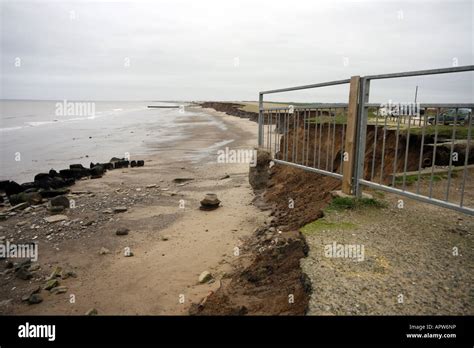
<point>61,201</point>
<point>52,173</point>
<point>52,193</point>
<point>58,182</point>
<point>97,172</point>
<point>10,187</point>
<point>42,176</point>
<point>107,166</point>
<point>66,173</point>
<point>210,202</point>
<point>29,186</point>
<point>44,181</point>
<point>75,173</point>
<point>29,197</point>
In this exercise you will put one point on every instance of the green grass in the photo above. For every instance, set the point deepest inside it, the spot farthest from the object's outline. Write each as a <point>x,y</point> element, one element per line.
<point>340,119</point>
<point>379,194</point>
<point>411,179</point>
<point>443,131</point>
<point>322,225</point>
<point>343,203</point>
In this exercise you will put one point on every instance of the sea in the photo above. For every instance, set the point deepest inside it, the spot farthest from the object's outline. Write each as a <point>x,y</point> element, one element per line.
<point>36,136</point>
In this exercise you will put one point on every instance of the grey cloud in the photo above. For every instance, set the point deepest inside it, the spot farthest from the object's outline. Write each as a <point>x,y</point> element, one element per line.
<point>186,49</point>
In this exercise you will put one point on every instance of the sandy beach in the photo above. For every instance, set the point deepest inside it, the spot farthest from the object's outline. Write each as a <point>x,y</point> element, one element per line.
<point>172,241</point>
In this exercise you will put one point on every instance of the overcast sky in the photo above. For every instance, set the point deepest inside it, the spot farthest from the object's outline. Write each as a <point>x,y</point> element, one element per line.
<point>230,50</point>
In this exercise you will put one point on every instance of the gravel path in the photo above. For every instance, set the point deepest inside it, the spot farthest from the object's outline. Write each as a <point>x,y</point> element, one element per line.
<point>409,265</point>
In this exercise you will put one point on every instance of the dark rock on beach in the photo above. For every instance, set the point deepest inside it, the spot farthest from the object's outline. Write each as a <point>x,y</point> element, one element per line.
<point>35,299</point>
<point>11,187</point>
<point>97,172</point>
<point>61,201</point>
<point>210,202</point>
<point>75,173</point>
<point>30,197</point>
<point>122,231</point>
<point>105,166</point>
<point>42,177</point>
<point>121,164</point>
<point>29,186</point>
<point>108,166</point>
<point>47,181</point>
<point>22,270</point>
<point>53,193</point>
<point>52,173</point>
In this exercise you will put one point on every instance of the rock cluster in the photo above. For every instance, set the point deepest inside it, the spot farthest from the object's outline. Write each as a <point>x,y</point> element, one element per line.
<point>53,184</point>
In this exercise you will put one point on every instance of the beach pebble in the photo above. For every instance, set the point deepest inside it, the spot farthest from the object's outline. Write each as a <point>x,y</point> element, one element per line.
<point>120,209</point>
<point>104,251</point>
<point>122,231</point>
<point>92,311</point>
<point>55,218</point>
<point>58,290</point>
<point>52,283</point>
<point>204,277</point>
<point>181,180</point>
<point>35,299</point>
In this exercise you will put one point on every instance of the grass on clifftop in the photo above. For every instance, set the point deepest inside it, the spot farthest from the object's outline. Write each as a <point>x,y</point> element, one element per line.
<point>339,204</point>
<point>343,203</point>
<point>412,179</point>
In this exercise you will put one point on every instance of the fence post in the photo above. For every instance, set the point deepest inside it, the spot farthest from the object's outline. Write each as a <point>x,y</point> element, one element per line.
<point>260,120</point>
<point>361,135</point>
<point>351,133</point>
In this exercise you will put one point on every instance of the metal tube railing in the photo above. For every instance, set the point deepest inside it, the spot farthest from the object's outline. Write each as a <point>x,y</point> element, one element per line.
<point>288,132</point>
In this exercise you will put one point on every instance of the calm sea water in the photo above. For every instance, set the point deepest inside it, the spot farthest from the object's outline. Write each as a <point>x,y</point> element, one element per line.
<point>36,136</point>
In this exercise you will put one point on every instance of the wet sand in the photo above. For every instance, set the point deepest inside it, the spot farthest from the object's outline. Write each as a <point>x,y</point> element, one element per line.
<point>172,245</point>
